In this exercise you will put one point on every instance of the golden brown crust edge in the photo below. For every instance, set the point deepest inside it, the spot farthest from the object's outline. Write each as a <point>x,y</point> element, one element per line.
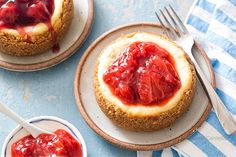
<point>17,45</point>
<point>151,123</point>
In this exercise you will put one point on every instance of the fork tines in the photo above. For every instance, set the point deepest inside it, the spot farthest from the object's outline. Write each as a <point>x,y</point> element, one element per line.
<point>171,23</point>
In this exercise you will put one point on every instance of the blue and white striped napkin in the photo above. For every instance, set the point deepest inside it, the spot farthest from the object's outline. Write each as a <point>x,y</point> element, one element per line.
<point>213,24</point>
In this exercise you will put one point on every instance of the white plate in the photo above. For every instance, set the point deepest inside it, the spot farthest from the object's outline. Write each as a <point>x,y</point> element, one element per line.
<point>97,120</point>
<point>80,27</point>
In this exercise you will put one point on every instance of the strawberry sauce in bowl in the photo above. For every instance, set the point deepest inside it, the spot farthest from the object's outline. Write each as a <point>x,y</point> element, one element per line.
<point>60,144</point>
<point>67,141</point>
<point>144,73</point>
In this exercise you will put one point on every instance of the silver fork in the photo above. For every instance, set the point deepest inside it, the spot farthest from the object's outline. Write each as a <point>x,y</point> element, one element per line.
<point>179,33</point>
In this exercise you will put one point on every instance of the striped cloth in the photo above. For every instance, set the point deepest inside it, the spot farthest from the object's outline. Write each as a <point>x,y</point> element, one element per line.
<point>213,24</point>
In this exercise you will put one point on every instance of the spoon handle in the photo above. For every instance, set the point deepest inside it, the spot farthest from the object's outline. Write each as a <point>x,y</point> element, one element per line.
<point>34,131</point>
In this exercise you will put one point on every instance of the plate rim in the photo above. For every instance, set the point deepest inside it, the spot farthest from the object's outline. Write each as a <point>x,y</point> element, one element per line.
<point>118,142</point>
<point>60,58</point>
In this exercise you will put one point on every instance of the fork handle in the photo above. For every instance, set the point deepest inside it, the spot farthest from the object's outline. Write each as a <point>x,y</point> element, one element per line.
<point>144,153</point>
<point>225,117</point>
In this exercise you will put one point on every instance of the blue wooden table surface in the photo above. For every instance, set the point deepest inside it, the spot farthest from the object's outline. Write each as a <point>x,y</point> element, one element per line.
<point>50,92</point>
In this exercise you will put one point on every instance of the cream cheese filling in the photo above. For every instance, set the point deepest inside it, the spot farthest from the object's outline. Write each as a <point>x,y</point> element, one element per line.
<point>113,50</point>
<point>40,27</point>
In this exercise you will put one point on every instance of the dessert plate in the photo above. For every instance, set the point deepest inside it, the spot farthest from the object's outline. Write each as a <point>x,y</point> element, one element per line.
<point>79,29</point>
<point>96,119</point>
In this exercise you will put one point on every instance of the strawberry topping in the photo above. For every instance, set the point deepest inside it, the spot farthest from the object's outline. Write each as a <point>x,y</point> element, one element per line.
<point>17,13</point>
<point>8,13</point>
<point>143,74</point>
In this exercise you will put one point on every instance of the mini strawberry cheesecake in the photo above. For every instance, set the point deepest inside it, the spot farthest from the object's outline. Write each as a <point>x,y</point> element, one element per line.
<point>144,82</point>
<point>29,27</point>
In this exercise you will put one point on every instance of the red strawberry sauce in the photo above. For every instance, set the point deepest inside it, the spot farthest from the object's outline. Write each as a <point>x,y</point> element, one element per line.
<point>62,144</point>
<point>144,74</point>
<point>16,14</point>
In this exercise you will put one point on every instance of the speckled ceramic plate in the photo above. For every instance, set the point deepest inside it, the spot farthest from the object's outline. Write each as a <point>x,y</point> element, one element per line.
<point>80,28</point>
<point>96,119</point>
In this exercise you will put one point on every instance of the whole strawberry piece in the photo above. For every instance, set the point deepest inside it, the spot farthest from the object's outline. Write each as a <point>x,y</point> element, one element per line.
<point>38,11</point>
<point>8,13</point>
